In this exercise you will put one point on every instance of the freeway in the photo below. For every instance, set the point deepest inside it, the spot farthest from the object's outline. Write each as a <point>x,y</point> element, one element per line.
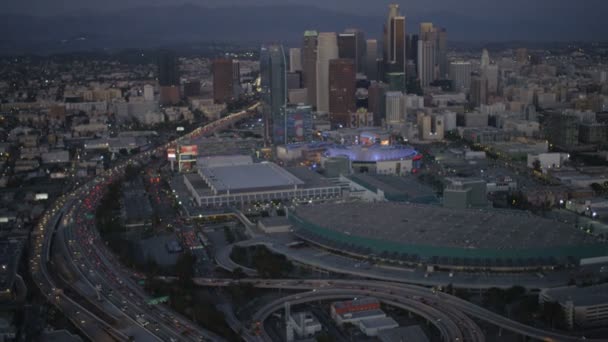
<point>442,301</point>
<point>97,270</point>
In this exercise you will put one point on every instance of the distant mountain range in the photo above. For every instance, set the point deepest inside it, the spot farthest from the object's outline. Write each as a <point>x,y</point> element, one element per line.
<point>149,27</point>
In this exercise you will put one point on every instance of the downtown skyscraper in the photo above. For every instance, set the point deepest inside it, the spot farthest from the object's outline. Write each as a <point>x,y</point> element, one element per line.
<point>273,77</point>
<point>432,54</point>
<point>342,79</point>
<point>223,77</point>
<point>327,49</point>
<point>394,41</point>
<point>309,66</point>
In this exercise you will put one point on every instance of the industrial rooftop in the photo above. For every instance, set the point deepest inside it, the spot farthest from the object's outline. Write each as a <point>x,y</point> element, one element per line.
<point>247,177</point>
<point>442,227</point>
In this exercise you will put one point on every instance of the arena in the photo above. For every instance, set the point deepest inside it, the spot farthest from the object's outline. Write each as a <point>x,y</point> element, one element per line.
<point>372,153</point>
<point>445,238</point>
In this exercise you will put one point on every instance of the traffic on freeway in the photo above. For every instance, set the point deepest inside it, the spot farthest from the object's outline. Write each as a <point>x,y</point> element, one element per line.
<point>69,221</point>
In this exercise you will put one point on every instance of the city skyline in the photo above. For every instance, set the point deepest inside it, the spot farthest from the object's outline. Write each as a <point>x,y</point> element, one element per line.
<point>281,172</point>
<point>176,23</point>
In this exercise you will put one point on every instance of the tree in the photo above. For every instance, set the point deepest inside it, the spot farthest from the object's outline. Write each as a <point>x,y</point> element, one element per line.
<point>597,188</point>
<point>553,314</point>
<point>184,268</point>
<point>238,273</point>
<point>325,337</point>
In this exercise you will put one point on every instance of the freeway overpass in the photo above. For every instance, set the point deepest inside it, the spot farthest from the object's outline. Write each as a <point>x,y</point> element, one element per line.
<point>442,301</point>
<point>449,328</point>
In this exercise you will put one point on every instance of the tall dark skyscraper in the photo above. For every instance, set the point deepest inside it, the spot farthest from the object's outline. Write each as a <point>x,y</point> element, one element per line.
<point>168,78</point>
<point>371,57</point>
<point>168,72</point>
<point>412,52</point>
<point>478,94</point>
<point>222,70</point>
<point>360,48</point>
<point>347,46</point>
<point>342,79</point>
<point>309,66</point>
<point>376,101</point>
<point>274,92</point>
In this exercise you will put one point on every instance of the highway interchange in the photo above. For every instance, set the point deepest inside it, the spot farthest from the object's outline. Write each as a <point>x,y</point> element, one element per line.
<point>421,300</point>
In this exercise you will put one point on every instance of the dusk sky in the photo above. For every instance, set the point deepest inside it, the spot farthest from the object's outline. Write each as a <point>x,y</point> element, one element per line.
<point>475,8</point>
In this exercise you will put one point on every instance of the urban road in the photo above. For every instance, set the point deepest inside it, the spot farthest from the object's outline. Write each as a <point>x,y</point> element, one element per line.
<point>99,296</point>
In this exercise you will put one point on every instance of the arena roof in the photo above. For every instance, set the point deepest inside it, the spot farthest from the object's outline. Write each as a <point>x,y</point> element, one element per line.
<point>247,177</point>
<point>432,231</point>
<point>372,153</point>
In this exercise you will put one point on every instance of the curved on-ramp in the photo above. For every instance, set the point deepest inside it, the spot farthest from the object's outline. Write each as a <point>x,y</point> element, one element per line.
<point>449,330</point>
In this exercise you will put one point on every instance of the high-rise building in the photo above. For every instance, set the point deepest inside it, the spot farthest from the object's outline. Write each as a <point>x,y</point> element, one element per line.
<point>460,74</point>
<point>442,53</point>
<point>293,80</point>
<point>327,49</point>
<point>426,62</point>
<point>478,94</point>
<point>168,72</point>
<point>273,92</point>
<point>395,40</point>
<point>490,73</point>
<point>347,46</point>
<point>521,56</point>
<point>351,44</point>
<point>376,102</point>
<point>236,79</point>
<point>168,78</point>
<point>395,107</point>
<point>309,66</point>
<point>295,59</point>
<point>561,129</point>
<point>396,81</point>
<point>371,55</point>
<point>148,92</point>
<point>435,45</point>
<point>485,58</point>
<point>342,80</point>
<point>299,123</point>
<point>360,48</point>
<point>223,76</point>
<point>393,11</point>
<point>192,88</point>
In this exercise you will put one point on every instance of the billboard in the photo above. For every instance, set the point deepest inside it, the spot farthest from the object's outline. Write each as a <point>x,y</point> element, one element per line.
<point>188,149</point>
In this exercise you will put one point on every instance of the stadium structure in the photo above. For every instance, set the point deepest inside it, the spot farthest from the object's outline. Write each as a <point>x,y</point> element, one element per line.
<point>445,238</point>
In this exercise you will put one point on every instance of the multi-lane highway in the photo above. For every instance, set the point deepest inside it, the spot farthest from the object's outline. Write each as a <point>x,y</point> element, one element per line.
<point>449,304</point>
<point>116,305</point>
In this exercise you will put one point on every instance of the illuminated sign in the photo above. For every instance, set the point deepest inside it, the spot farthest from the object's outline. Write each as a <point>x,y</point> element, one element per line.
<point>180,129</point>
<point>41,196</point>
<point>171,154</point>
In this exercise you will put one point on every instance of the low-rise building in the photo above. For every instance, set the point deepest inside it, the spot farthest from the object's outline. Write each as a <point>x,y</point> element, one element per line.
<point>582,306</point>
<point>305,324</point>
<point>371,327</point>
